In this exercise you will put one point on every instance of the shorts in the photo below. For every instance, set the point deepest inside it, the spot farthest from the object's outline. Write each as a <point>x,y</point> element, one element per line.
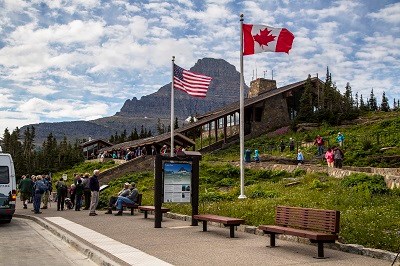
<point>25,196</point>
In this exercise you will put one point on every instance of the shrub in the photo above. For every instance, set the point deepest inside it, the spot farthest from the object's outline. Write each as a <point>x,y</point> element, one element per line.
<point>374,184</point>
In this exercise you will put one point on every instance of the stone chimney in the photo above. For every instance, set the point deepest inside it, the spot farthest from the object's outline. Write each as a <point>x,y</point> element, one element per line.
<point>260,86</point>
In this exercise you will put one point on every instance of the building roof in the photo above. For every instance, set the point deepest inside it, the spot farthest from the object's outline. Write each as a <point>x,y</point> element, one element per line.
<point>235,107</point>
<point>93,141</point>
<point>159,139</point>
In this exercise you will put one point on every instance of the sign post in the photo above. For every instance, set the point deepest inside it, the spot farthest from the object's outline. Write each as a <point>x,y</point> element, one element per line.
<point>176,180</point>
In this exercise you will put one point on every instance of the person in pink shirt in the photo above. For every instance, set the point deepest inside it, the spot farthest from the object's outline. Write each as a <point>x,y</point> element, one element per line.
<point>329,157</point>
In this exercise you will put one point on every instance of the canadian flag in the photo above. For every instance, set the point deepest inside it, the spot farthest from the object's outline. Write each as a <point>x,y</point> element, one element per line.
<point>261,38</point>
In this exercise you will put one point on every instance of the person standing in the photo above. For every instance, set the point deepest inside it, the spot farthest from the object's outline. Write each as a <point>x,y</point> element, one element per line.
<point>340,139</point>
<point>319,141</point>
<point>338,157</point>
<point>86,191</point>
<point>46,194</point>
<point>282,145</point>
<point>300,157</point>
<point>61,193</point>
<point>40,189</point>
<point>78,195</point>
<point>329,157</point>
<point>94,188</point>
<point>291,144</point>
<point>25,188</point>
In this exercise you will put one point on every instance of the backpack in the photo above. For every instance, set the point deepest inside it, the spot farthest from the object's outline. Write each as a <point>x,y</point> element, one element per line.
<point>41,187</point>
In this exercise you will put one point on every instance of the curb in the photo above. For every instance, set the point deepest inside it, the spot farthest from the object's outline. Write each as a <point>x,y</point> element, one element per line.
<point>349,248</point>
<point>97,256</point>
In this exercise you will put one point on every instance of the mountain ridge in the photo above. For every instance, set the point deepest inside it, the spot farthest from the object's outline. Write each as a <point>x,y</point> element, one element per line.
<point>223,90</point>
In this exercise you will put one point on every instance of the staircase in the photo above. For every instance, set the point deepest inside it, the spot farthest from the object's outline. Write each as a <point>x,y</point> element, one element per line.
<point>144,163</point>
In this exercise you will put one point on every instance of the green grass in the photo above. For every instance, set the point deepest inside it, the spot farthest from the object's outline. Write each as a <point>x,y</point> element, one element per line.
<point>369,211</point>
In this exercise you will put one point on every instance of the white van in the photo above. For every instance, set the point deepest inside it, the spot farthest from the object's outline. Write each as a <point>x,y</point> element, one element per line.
<point>8,188</point>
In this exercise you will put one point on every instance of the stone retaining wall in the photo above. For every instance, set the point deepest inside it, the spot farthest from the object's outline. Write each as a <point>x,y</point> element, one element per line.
<point>391,175</point>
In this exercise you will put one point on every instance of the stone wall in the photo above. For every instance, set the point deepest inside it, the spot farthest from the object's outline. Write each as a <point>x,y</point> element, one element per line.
<point>275,115</point>
<point>260,86</point>
<point>391,175</point>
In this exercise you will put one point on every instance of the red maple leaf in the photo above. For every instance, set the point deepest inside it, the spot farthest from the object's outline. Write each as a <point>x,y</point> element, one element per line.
<point>263,38</point>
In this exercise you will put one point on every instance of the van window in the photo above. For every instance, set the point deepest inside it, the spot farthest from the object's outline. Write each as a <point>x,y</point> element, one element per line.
<point>4,175</point>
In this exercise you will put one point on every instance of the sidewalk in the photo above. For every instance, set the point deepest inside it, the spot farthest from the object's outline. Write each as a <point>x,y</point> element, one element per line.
<point>133,240</point>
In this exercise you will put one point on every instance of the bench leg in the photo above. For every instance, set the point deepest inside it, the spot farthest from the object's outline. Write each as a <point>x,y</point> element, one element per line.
<point>145,214</point>
<point>272,239</point>
<point>232,231</point>
<point>132,211</point>
<point>204,226</point>
<point>320,251</point>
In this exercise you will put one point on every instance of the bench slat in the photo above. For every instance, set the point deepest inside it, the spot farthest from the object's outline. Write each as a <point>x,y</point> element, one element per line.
<point>218,219</point>
<point>307,218</point>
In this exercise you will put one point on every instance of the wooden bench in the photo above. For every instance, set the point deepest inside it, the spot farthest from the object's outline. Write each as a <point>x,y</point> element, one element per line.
<point>226,221</point>
<point>146,209</point>
<point>134,206</point>
<point>319,226</point>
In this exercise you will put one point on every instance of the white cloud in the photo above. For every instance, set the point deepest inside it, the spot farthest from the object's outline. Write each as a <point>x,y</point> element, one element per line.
<point>389,14</point>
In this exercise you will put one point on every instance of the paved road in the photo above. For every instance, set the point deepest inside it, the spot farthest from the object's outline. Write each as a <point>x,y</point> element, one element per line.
<point>24,242</point>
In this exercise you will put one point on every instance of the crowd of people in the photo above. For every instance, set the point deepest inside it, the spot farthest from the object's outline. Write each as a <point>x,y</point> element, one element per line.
<point>83,193</point>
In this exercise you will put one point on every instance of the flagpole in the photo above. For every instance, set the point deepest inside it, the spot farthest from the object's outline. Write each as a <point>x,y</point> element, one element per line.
<point>172,108</point>
<point>241,113</point>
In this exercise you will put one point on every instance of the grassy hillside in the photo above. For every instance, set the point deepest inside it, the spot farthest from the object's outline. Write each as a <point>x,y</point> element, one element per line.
<point>372,140</point>
<point>369,211</point>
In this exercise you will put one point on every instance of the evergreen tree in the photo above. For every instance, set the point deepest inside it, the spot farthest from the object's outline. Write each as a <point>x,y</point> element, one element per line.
<point>112,139</point>
<point>142,135</point>
<point>28,148</point>
<point>160,127</point>
<point>356,100</point>
<point>176,123</point>
<point>363,107</point>
<point>306,112</point>
<point>385,103</point>
<point>373,105</point>
<point>135,134</point>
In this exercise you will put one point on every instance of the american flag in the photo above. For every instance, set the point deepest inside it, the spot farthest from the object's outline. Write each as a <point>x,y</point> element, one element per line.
<point>191,83</point>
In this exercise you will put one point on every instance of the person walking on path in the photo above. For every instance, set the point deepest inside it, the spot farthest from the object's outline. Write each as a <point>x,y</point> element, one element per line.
<point>94,188</point>
<point>61,194</point>
<point>340,139</point>
<point>329,157</point>
<point>300,157</point>
<point>86,190</point>
<point>25,188</point>
<point>319,141</point>
<point>282,145</point>
<point>123,193</point>
<point>132,198</point>
<point>338,156</point>
<point>291,144</point>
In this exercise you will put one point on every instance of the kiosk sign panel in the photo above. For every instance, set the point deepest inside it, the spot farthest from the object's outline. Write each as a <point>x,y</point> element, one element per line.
<point>177,181</point>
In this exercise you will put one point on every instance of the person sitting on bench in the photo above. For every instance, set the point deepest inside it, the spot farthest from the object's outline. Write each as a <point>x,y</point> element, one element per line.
<point>123,193</point>
<point>131,199</point>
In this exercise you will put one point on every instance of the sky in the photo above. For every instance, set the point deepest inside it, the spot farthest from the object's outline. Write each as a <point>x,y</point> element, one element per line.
<point>67,60</point>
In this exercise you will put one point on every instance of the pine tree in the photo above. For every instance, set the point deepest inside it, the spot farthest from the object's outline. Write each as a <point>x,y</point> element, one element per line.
<point>135,134</point>
<point>373,105</point>
<point>176,123</point>
<point>385,103</point>
<point>160,127</point>
<point>306,112</point>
